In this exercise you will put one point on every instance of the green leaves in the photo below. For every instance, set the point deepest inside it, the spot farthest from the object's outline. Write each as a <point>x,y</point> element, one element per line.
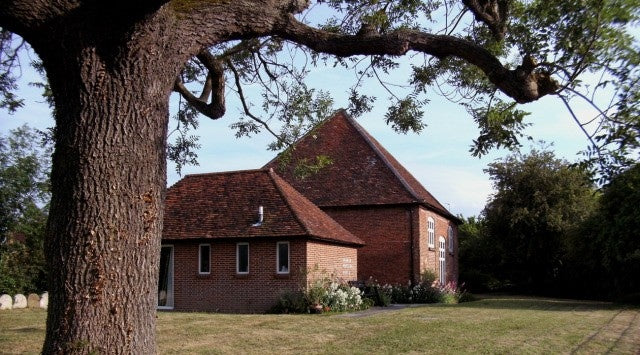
<point>539,201</point>
<point>501,126</point>
<point>24,198</point>
<point>405,115</point>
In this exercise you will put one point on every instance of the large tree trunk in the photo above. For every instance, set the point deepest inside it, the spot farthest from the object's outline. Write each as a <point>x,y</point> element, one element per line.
<point>108,184</point>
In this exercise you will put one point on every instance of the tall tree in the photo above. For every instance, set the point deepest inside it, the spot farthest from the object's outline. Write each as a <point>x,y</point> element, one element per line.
<point>604,254</point>
<point>539,201</point>
<point>24,198</point>
<point>111,67</point>
<point>24,177</point>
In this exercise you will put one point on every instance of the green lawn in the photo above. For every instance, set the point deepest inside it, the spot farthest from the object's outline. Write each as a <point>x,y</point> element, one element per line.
<point>492,325</point>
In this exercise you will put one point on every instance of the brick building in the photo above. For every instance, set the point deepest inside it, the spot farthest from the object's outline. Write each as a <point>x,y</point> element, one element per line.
<point>366,190</point>
<point>236,241</point>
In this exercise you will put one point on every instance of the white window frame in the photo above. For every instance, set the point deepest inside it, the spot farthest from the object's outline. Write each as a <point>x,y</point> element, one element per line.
<point>431,233</point>
<point>450,238</point>
<point>442,265</point>
<point>238,259</point>
<point>200,272</point>
<point>278,258</point>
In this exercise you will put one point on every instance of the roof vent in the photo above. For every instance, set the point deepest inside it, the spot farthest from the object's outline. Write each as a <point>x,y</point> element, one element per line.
<point>260,217</point>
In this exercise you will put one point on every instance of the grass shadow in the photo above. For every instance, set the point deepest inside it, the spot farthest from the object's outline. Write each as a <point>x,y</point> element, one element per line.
<point>537,303</point>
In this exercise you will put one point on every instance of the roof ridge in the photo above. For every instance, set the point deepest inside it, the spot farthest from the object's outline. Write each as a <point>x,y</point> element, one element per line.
<point>368,138</point>
<point>277,180</point>
<point>380,151</point>
<point>272,175</point>
<point>312,129</point>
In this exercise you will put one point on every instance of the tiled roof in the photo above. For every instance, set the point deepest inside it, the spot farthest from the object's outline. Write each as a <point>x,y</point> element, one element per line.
<point>225,205</point>
<point>362,172</point>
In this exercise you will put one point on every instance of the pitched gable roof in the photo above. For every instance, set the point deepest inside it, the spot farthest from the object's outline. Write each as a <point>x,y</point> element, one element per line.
<point>225,205</point>
<point>362,171</point>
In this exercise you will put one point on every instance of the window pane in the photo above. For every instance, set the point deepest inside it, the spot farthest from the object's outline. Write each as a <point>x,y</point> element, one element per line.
<point>165,281</point>
<point>243,258</point>
<point>283,258</point>
<point>205,259</point>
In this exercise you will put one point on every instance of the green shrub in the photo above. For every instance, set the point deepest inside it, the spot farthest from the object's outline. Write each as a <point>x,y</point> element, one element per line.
<point>291,302</point>
<point>377,294</point>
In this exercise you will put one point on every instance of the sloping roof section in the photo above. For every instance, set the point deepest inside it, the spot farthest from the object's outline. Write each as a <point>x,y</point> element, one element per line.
<point>361,172</point>
<point>226,205</point>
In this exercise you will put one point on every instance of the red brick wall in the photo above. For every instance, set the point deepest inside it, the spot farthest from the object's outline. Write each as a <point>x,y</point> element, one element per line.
<point>386,257</point>
<point>429,259</point>
<point>223,290</point>
<point>332,260</point>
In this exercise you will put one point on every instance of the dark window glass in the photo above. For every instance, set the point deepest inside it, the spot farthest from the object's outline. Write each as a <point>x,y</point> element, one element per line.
<point>283,258</point>
<point>243,258</point>
<point>205,258</point>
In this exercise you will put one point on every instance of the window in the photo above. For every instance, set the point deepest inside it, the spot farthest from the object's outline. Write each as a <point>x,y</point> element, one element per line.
<point>450,239</point>
<point>165,279</point>
<point>282,258</point>
<point>431,232</point>
<point>442,265</point>
<point>242,258</point>
<point>204,259</point>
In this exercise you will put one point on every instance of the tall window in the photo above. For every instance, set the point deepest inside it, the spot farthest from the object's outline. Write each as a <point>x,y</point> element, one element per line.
<point>204,259</point>
<point>450,238</point>
<point>165,279</point>
<point>442,264</point>
<point>431,232</point>
<point>282,262</point>
<point>242,258</point>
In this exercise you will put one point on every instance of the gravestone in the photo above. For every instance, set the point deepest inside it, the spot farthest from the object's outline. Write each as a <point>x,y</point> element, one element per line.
<point>6,302</point>
<point>33,301</point>
<point>44,300</point>
<point>19,301</point>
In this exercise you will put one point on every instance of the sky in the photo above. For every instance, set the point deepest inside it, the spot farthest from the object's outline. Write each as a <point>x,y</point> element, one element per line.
<point>438,157</point>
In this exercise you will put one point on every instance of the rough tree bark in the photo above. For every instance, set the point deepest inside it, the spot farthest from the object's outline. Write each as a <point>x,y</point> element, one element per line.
<point>112,66</point>
<point>108,183</point>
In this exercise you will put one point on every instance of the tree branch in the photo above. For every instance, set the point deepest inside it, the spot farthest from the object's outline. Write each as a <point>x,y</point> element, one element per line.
<point>523,84</point>
<point>214,88</point>
<point>245,107</point>
<point>492,13</point>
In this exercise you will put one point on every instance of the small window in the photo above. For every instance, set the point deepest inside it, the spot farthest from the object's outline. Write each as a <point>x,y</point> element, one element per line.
<point>282,262</point>
<point>450,237</point>
<point>431,232</point>
<point>242,258</point>
<point>204,257</point>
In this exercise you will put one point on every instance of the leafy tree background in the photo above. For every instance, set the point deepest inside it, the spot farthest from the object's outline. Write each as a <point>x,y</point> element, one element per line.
<point>24,197</point>
<point>548,230</point>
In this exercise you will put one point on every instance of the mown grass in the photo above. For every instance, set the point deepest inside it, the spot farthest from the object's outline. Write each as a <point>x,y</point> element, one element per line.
<point>491,325</point>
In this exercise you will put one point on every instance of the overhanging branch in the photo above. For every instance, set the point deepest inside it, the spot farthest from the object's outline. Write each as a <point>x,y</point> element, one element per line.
<point>213,87</point>
<point>523,84</point>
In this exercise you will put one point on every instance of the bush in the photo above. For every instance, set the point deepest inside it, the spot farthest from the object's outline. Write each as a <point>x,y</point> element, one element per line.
<point>425,293</point>
<point>376,293</point>
<point>291,302</point>
<point>323,294</point>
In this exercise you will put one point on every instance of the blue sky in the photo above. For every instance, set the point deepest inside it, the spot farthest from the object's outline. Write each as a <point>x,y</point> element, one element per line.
<point>438,157</point>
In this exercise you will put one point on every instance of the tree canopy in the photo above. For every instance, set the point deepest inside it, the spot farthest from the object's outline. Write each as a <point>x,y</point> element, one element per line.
<point>24,197</point>
<point>111,67</point>
<point>539,201</point>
